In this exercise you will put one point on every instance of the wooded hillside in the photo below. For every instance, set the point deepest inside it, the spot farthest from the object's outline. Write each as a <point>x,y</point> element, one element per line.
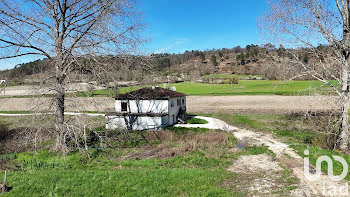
<point>275,63</point>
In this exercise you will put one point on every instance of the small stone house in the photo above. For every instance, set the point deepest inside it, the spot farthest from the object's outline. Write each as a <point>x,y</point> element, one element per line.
<point>149,108</point>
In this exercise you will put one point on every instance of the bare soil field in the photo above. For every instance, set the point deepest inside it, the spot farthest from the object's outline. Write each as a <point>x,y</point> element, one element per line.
<point>28,90</point>
<point>24,90</point>
<point>260,104</point>
<point>195,104</point>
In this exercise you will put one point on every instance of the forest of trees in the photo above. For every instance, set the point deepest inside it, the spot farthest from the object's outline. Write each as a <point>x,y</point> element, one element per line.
<point>273,61</point>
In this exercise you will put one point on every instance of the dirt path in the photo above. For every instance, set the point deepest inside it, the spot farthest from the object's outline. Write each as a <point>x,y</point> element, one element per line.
<point>286,157</point>
<point>289,159</point>
<point>195,104</point>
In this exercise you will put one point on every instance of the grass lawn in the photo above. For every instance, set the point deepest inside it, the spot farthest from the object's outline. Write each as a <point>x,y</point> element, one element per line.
<point>124,182</point>
<point>16,112</point>
<point>245,87</point>
<point>196,121</point>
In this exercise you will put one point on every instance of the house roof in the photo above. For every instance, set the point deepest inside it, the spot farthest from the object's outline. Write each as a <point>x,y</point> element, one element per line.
<point>150,93</point>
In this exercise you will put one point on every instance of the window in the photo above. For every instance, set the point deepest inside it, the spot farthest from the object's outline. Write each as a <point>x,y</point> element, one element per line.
<point>124,106</point>
<point>178,102</point>
<point>183,101</point>
<point>172,104</point>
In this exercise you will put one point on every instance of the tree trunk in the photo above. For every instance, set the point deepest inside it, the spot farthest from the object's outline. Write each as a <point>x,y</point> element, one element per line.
<point>59,100</point>
<point>344,135</point>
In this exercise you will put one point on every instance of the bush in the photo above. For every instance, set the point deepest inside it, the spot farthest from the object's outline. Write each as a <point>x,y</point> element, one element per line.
<point>323,141</point>
<point>272,72</point>
<point>234,80</point>
<point>21,139</point>
<point>213,60</point>
<point>202,56</point>
<point>231,80</point>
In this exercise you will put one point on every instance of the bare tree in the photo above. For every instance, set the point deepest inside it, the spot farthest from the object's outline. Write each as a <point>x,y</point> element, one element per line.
<point>67,31</point>
<point>307,24</point>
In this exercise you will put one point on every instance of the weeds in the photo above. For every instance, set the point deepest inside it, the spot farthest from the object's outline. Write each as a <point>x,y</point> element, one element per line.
<point>8,156</point>
<point>37,164</point>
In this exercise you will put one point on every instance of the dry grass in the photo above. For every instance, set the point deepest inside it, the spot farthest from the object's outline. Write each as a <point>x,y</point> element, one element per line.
<point>211,138</point>
<point>174,144</point>
<point>22,139</point>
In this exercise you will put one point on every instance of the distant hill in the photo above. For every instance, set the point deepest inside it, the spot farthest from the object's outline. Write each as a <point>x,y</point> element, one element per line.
<point>268,61</point>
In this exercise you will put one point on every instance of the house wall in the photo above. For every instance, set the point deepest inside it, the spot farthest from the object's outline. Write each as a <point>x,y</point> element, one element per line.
<point>169,107</point>
<point>143,106</point>
<point>165,120</point>
<point>134,122</point>
<point>174,110</point>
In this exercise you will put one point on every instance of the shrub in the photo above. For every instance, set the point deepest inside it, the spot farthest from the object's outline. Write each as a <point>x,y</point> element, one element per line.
<point>202,56</point>
<point>231,80</point>
<point>235,80</point>
<point>213,60</point>
<point>272,72</point>
<point>220,54</point>
<point>226,81</point>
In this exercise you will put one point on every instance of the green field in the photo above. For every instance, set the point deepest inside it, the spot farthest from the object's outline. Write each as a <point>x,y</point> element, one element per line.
<point>253,87</point>
<point>245,87</point>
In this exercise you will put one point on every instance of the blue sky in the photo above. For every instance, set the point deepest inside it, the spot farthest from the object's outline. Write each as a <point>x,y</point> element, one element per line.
<point>174,26</point>
<point>178,25</point>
